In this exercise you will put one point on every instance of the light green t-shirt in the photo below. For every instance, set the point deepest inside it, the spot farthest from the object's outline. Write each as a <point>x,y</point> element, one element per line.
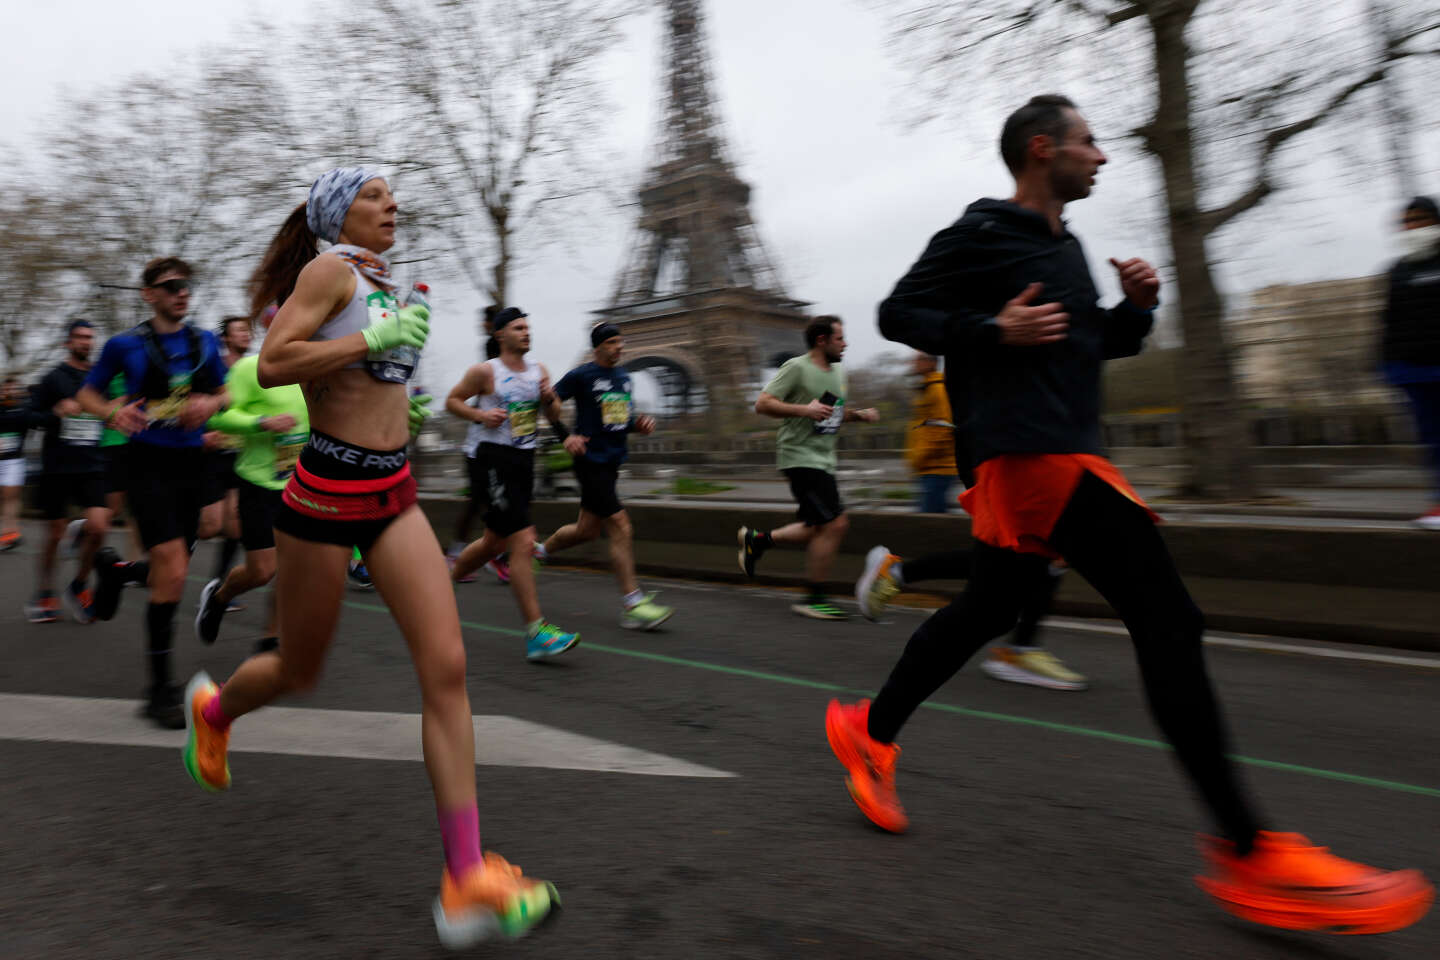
<point>268,458</point>
<point>802,442</point>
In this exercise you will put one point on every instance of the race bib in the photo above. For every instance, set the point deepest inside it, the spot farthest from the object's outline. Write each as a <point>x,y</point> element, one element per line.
<point>165,412</point>
<point>831,424</point>
<point>523,416</point>
<point>80,431</point>
<point>287,453</point>
<point>615,410</point>
<point>9,443</point>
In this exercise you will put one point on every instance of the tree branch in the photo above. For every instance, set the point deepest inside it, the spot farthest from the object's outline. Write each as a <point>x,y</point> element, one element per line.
<point>1261,187</point>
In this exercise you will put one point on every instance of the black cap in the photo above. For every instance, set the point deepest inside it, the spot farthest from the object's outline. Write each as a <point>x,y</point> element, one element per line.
<point>1424,205</point>
<point>602,332</point>
<point>505,316</point>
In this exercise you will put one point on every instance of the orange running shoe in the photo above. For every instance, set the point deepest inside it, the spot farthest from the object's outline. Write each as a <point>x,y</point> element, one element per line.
<point>490,901</point>
<point>1288,882</point>
<point>205,748</point>
<point>870,762</point>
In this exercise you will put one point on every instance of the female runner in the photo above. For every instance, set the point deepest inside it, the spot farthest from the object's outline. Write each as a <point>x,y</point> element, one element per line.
<point>343,337</point>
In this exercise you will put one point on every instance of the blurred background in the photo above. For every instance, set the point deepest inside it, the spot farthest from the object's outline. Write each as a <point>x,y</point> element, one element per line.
<point>711,174</point>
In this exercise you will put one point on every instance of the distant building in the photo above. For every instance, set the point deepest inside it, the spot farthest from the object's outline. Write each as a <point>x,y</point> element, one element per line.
<point>1311,344</point>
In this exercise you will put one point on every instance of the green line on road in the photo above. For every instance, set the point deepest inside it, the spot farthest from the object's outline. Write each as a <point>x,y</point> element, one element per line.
<point>1318,772</point>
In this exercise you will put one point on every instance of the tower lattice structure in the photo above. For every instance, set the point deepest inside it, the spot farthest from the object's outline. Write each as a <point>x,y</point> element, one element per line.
<point>700,301</point>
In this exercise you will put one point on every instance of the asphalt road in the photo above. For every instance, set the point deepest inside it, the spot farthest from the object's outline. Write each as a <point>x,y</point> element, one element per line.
<point>1044,825</point>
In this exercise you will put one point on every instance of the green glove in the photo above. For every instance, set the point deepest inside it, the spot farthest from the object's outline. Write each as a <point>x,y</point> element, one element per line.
<point>419,412</point>
<point>406,327</point>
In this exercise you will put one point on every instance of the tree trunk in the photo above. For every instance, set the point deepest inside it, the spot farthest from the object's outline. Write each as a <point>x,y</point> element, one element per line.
<point>1216,432</point>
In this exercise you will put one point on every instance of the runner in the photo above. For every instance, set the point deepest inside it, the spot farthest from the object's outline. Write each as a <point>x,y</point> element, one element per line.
<point>274,426</point>
<point>14,422</point>
<point>222,451</point>
<point>512,390</point>
<point>174,382</point>
<point>604,417</point>
<point>479,498</point>
<point>1024,659</point>
<point>1007,291</point>
<point>343,337</point>
<point>71,475</point>
<point>808,394</point>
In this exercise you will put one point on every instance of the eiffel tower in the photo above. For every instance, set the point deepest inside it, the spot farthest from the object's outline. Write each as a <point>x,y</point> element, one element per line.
<point>700,302</point>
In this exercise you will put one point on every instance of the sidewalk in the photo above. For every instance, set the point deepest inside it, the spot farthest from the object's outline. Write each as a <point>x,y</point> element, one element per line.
<point>1337,503</point>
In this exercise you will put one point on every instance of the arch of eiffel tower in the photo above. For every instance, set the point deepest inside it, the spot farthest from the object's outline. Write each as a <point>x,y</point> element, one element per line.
<point>701,304</point>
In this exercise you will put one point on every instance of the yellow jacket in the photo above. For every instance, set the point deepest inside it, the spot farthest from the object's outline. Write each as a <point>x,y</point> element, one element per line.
<point>930,438</point>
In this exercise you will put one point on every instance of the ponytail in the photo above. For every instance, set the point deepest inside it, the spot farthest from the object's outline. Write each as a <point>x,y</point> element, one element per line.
<point>293,247</point>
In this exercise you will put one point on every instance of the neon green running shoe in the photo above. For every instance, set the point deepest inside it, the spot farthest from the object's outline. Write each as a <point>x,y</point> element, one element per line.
<point>646,615</point>
<point>496,900</point>
<point>819,609</point>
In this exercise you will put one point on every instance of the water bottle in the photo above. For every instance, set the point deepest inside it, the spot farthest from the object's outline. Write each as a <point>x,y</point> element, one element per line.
<point>397,365</point>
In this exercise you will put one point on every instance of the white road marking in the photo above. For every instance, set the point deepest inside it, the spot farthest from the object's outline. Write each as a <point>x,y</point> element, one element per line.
<point>499,740</point>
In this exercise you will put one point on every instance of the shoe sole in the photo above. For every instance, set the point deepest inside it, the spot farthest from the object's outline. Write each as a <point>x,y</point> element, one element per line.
<point>187,755</point>
<point>551,654</point>
<point>1386,917</point>
<point>1427,523</point>
<point>1012,674</point>
<point>873,561</point>
<point>740,556</point>
<point>646,626</point>
<point>488,925</point>
<point>850,759</point>
<point>805,611</point>
<point>206,592</point>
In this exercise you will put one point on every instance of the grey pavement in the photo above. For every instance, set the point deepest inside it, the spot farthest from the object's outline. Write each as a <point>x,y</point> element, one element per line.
<point>1045,825</point>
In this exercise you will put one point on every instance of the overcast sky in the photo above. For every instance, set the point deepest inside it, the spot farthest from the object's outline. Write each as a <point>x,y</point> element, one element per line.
<point>844,194</point>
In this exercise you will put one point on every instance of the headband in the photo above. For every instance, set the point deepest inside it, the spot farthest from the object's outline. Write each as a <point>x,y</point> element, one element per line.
<point>602,333</point>
<point>330,197</point>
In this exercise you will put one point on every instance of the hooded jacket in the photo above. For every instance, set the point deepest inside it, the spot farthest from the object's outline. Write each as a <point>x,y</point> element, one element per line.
<point>930,437</point>
<point>1008,399</point>
<point>1411,336</point>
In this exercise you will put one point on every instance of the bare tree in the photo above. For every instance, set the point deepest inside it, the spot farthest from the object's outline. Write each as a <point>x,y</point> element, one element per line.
<point>504,117</point>
<point>1227,93</point>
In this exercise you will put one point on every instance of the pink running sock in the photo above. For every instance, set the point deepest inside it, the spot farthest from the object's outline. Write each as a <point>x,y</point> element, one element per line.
<point>215,716</point>
<point>460,834</point>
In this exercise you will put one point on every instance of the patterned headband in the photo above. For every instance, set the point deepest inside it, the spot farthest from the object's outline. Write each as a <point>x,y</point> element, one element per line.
<point>330,197</point>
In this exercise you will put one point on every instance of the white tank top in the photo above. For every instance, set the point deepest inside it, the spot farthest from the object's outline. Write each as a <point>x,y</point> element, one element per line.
<point>472,432</point>
<point>517,392</point>
<point>367,305</point>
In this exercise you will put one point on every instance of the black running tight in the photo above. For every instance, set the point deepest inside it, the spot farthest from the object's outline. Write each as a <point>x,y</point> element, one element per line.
<point>1112,543</point>
<point>1037,599</point>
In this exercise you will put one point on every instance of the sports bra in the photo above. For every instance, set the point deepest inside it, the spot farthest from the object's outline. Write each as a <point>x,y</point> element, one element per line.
<point>367,305</point>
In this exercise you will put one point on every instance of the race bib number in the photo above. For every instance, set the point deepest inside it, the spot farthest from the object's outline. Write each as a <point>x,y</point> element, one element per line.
<point>615,410</point>
<point>9,442</point>
<point>287,453</point>
<point>81,431</point>
<point>831,424</point>
<point>523,416</point>
<point>165,413</point>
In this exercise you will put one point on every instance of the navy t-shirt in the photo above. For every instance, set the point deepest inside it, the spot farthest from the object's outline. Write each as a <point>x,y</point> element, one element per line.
<point>604,411</point>
<point>125,354</point>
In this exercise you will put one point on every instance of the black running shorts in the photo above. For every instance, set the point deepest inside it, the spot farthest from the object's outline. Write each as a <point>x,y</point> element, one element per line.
<point>597,487</point>
<point>510,480</point>
<point>817,495</point>
<point>59,492</point>
<point>117,468</point>
<point>479,481</point>
<point>258,506</point>
<point>220,476</point>
<point>167,492</point>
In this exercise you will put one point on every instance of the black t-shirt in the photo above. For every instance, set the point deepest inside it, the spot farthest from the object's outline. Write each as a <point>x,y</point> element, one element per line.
<point>604,411</point>
<point>72,444</point>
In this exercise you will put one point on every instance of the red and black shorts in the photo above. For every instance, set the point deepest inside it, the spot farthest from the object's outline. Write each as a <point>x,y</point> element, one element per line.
<point>344,494</point>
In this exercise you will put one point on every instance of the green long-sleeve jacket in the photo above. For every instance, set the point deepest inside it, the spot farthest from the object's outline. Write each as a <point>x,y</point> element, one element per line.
<point>267,458</point>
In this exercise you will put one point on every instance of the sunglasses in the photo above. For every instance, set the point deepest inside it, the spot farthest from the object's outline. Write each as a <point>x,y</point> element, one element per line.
<point>179,285</point>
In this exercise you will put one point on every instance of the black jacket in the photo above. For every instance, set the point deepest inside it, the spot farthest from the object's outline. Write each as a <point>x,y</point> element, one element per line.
<point>1412,313</point>
<point>59,454</point>
<point>1043,399</point>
